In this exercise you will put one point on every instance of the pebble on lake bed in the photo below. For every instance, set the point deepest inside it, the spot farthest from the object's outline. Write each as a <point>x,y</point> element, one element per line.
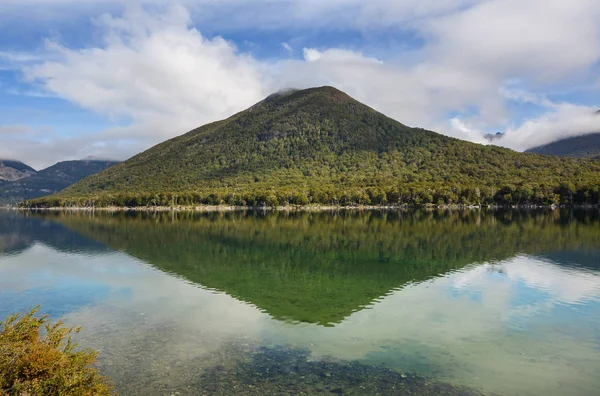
<point>287,371</point>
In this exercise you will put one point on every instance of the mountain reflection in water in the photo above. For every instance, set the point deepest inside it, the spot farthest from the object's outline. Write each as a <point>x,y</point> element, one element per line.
<point>506,302</point>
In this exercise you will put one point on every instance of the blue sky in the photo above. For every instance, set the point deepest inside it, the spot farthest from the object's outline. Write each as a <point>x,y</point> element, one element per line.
<point>111,78</point>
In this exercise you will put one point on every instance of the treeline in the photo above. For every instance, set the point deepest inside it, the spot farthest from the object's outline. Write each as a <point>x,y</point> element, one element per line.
<point>322,147</point>
<point>319,267</point>
<point>415,195</point>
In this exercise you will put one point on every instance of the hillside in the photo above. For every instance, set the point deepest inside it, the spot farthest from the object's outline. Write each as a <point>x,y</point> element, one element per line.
<point>50,180</point>
<point>319,145</point>
<point>587,146</point>
<point>14,170</point>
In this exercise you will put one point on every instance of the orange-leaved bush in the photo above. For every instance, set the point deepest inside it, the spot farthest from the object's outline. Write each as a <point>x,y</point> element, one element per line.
<point>38,357</point>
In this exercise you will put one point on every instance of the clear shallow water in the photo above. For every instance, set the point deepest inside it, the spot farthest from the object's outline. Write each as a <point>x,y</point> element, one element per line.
<point>505,303</point>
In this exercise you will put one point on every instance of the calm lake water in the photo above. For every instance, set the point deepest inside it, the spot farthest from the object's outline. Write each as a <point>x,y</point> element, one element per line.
<point>503,303</point>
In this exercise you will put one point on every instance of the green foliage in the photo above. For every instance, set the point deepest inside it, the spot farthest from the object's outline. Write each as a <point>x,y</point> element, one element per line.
<point>37,357</point>
<point>320,267</point>
<point>319,146</point>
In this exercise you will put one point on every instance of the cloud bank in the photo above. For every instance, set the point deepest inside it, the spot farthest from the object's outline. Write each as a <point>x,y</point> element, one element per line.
<point>156,73</point>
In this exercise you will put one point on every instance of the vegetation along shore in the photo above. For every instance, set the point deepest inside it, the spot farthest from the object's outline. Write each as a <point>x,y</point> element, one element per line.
<point>319,146</point>
<point>38,357</point>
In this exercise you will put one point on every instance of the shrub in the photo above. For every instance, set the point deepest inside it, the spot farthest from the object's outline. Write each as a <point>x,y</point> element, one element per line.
<point>38,357</point>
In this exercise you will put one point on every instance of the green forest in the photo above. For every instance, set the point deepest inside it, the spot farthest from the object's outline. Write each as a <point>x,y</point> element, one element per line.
<point>321,267</point>
<point>320,146</point>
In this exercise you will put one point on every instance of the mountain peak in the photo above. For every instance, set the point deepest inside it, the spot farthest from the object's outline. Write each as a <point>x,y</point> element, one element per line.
<point>313,145</point>
<point>31,184</point>
<point>324,92</point>
<point>325,96</point>
<point>11,170</point>
<point>328,92</point>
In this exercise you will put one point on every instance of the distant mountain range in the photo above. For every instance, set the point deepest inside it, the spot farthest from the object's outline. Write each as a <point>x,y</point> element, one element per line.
<point>19,182</point>
<point>584,146</point>
<point>321,146</point>
<point>587,146</point>
<point>14,170</point>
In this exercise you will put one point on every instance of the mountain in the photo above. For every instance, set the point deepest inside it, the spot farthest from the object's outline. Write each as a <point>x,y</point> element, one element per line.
<point>319,145</point>
<point>73,171</point>
<point>50,180</point>
<point>14,170</point>
<point>587,146</point>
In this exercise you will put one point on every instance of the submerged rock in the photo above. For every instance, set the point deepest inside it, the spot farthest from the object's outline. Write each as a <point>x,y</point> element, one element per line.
<point>288,371</point>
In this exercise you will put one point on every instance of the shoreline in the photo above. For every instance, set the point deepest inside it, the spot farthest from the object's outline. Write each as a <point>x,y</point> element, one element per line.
<point>292,208</point>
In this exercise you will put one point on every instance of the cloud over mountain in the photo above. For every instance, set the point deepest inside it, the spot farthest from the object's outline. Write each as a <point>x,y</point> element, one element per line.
<point>154,73</point>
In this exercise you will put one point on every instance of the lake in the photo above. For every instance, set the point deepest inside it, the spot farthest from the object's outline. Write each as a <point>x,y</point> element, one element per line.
<point>375,302</point>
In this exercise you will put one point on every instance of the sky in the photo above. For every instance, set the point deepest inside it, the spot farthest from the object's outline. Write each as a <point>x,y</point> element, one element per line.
<point>108,79</point>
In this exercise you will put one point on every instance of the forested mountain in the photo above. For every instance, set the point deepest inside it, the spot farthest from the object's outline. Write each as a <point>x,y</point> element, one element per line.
<point>587,146</point>
<point>14,170</point>
<point>73,171</point>
<point>319,145</point>
<point>49,180</point>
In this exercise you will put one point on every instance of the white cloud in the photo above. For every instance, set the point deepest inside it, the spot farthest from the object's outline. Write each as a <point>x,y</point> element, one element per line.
<point>13,129</point>
<point>461,129</point>
<point>400,92</point>
<point>163,76</point>
<point>332,14</point>
<point>558,121</point>
<point>287,47</point>
<point>14,60</point>
<point>469,59</point>
<point>154,70</point>
<point>564,120</point>
<point>31,93</point>
<point>18,56</point>
<point>284,12</point>
<point>534,38</point>
<point>563,285</point>
<point>40,148</point>
<point>311,55</point>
